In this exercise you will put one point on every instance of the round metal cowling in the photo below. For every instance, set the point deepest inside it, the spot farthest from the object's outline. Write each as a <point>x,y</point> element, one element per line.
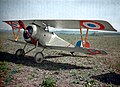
<point>32,30</point>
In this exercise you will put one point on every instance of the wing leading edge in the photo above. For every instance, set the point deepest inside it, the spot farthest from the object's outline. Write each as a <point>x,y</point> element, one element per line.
<point>72,24</point>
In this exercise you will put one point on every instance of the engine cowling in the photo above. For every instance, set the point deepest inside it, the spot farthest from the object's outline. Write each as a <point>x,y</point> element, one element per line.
<point>32,29</point>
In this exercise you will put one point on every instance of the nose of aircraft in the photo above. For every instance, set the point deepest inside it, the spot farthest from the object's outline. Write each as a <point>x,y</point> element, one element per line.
<point>30,31</point>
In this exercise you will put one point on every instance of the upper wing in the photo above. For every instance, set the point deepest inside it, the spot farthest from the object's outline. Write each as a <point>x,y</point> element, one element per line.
<point>73,24</point>
<point>76,24</point>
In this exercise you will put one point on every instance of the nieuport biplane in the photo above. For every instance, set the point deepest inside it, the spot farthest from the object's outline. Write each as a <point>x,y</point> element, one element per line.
<point>36,32</point>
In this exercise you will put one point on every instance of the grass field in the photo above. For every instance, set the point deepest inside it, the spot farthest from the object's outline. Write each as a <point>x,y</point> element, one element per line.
<point>59,67</point>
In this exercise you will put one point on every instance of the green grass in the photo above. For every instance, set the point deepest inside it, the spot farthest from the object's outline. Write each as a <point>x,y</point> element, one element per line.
<point>32,75</point>
<point>90,83</point>
<point>74,72</point>
<point>8,80</point>
<point>4,66</point>
<point>48,82</point>
<point>7,73</point>
<point>118,65</point>
<point>4,72</point>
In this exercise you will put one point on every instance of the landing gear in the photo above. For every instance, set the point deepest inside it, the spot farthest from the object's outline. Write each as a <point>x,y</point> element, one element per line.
<point>39,57</point>
<point>20,53</point>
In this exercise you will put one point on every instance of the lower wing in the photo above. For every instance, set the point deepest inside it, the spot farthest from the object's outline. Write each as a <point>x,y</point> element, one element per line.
<point>79,49</point>
<point>70,49</point>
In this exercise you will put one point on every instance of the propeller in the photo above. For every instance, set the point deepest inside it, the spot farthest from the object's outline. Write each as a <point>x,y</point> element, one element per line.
<point>24,27</point>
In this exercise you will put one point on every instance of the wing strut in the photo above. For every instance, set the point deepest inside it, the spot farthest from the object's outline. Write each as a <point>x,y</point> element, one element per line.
<point>86,35</point>
<point>81,35</point>
<point>19,25</point>
<point>85,43</point>
<point>15,27</point>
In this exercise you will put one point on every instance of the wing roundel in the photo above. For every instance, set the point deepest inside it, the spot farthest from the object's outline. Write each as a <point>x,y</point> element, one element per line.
<point>92,25</point>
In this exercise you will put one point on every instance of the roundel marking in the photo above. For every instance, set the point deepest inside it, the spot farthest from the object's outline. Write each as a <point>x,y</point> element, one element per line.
<point>92,25</point>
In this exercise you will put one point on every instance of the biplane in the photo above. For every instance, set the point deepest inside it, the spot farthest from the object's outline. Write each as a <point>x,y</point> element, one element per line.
<point>36,32</point>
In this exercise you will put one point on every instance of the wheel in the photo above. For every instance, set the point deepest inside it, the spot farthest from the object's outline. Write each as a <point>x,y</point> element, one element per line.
<point>20,53</point>
<point>39,57</point>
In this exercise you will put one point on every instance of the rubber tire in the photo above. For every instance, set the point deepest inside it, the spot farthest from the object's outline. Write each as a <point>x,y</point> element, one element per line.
<point>20,53</point>
<point>39,57</point>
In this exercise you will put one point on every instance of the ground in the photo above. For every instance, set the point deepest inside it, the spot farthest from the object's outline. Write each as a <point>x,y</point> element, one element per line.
<point>65,70</point>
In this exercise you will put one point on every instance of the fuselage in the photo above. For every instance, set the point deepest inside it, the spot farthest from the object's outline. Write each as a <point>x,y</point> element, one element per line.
<point>44,37</point>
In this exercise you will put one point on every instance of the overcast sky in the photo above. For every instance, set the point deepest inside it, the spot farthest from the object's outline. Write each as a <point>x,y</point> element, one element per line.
<point>108,10</point>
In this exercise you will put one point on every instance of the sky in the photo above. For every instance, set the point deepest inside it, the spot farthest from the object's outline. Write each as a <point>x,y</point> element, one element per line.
<point>108,10</point>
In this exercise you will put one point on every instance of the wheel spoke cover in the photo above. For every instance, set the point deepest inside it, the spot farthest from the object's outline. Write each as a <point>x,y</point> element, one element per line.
<point>39,57</point>
<point>20,53</point>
